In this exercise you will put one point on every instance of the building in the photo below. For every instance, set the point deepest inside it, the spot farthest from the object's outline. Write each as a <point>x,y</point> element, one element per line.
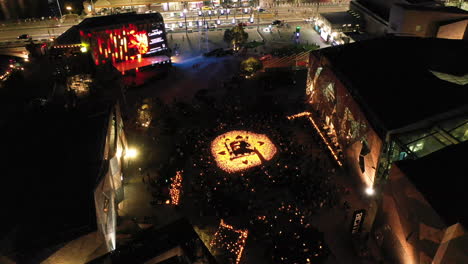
<point>422,18</point>
<point>332,26</point>
<point>63,169</point>
<point>422,21</point>
<point>129,41</point>
<point>158,5</point>
<point>388,99</point>
<point>12,10</point>
<point>424,204</point>
<point>175,243</point>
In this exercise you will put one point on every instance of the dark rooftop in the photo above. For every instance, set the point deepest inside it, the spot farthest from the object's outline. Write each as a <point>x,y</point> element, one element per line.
<point>340,18</point>
<point>53,159</point>
<point>441,178</point>
<point>72,35</point>
<point>445,9</point>
<point>392,81</point>
<point>118,19</point>
<point>154,242</point>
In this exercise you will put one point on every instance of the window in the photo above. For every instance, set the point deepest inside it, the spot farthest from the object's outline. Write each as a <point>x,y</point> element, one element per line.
<point>364,151</point>
<point>330,92</point>
<point>416,147</point>
<point>106,205</point>
<point>317,73</point>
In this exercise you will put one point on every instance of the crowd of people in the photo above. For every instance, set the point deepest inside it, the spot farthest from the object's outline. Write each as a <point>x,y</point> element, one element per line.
<point>295,175</point>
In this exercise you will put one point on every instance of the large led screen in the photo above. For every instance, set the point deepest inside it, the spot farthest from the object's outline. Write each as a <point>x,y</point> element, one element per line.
<point>130,42</point>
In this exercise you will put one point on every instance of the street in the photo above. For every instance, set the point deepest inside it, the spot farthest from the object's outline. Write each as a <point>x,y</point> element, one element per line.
<point>43,30</point>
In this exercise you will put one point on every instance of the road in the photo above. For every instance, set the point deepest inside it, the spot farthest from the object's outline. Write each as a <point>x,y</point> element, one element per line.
<point>43,30</point>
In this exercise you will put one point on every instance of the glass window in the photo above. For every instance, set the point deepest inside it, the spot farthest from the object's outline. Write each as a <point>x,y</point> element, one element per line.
<point>317,73</point>
<point>425,146</point>
<point>460,132</point>
<point>330,92</point>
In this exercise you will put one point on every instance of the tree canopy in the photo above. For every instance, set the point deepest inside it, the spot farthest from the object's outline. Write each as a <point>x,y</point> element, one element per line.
<point>251,65</point>
<point>236,36</point>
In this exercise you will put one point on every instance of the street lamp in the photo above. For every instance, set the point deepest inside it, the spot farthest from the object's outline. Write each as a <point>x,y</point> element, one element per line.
<point>69,8</point>
<point>59,8</point>
<point>370,191</point>
<point>185,17</point>
<point>131,153</point>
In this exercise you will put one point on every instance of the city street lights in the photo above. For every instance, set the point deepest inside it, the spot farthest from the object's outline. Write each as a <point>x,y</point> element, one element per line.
<point>69,8</point>
<point>59,8</point>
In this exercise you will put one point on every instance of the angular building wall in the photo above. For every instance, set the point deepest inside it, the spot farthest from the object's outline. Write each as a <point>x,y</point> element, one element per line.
<point>109,189</point>
<point>455,30</point>
<point>342,117</point>
<point>415,230</point>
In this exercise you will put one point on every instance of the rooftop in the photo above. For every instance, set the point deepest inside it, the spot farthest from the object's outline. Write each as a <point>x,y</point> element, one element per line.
<point>445,9</point>
<point>118,19</point>
<point>53,159</point>
<point>441,178</point>
<point>340,18</point>
<point>393,81</point>
<point>72,35</point>
<point>153,242</point>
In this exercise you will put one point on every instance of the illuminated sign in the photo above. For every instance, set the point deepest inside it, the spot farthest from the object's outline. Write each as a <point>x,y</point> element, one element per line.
<point>156,41</point>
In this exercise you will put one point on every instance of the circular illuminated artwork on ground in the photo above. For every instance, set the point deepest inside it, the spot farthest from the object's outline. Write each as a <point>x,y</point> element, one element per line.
<point>239,150</point>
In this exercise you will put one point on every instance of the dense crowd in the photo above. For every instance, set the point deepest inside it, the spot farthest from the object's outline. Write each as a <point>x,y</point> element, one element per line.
<point>295,176</point>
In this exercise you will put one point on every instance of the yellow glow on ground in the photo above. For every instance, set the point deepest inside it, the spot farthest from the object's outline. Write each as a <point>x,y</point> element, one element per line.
<point>239,150</point>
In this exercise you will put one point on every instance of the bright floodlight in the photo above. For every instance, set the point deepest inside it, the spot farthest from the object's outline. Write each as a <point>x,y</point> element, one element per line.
<point>69,8</point>
<point>131,153</point>
<point>370,191</point>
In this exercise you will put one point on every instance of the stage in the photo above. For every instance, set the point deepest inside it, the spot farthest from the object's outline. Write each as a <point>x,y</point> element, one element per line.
<point>138,64</point>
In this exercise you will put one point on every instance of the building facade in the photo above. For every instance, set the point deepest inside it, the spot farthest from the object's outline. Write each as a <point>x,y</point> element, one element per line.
<point>411,18</point>
<point>109,190</point>
<point>358,108</point>
<point>441,22</point>
<point>419,227</point>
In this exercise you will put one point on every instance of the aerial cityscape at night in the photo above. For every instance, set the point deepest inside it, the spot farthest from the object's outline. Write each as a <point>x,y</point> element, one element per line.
<point>234,131</point>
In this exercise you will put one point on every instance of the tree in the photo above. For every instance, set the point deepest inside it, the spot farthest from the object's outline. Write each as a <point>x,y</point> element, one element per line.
<point>228,36</point>
<point>251,65</point>
<point>236,36</point>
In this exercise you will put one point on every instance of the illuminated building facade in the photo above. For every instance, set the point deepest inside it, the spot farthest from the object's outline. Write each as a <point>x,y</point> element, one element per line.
<point>424,208</point>
<point>158,5</point>
<point>332,26</point>
<point>124,38</point>
<point>424,18</point>
<point>109,191</point>
<point>70,180</point>
<point>129,42</point>
<point>378,107</point>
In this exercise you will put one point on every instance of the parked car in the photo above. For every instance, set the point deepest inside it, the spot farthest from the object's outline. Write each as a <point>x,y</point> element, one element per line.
<point>206,8</point>
<point>277,23</point>
<point>24,36</point>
